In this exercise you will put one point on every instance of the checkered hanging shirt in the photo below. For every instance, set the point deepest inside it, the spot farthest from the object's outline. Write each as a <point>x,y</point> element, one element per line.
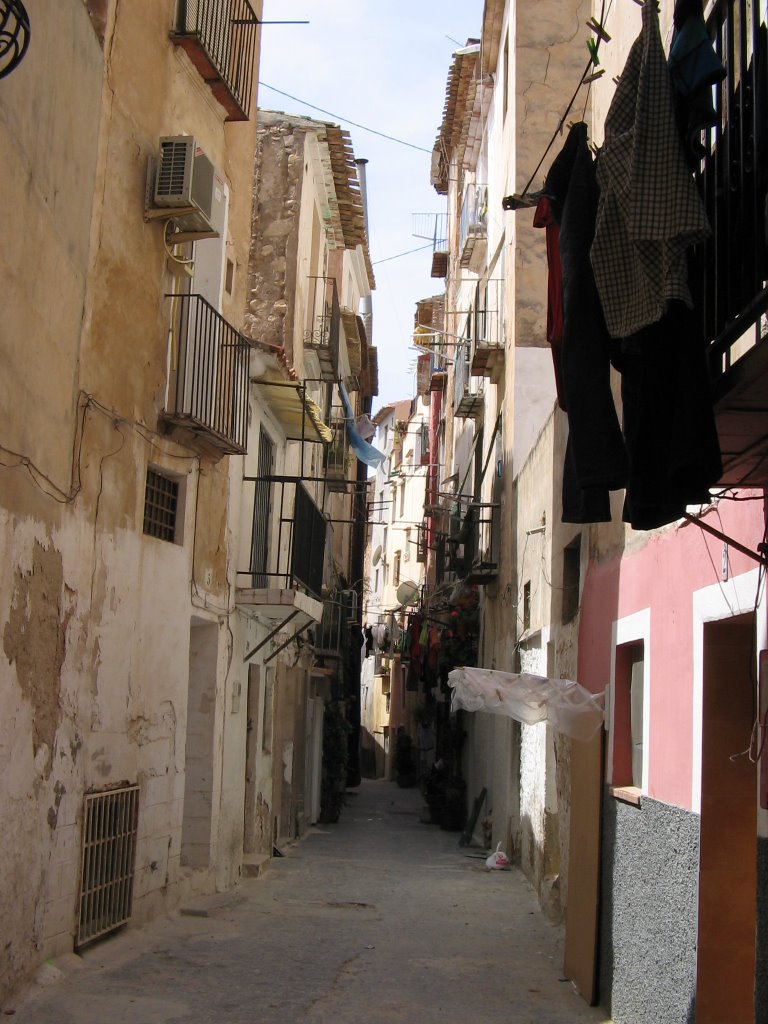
<point>649,211</point>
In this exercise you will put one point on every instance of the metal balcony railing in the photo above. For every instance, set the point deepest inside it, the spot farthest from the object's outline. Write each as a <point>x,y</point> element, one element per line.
<point>733,175</point>
<point>470,550</point>
<point>336,455</point>
<point>433,227</point>
<point>488,328</point>
<point>220,38</point>
<point>731,267</point>
<point>288,538</point>
<point>473,222</point>
<point>332,636</point>
<point>208,387</point>
<point>322,334</point>
<point>481,546</point>
<point>14,35</point>
<point>468,390</point>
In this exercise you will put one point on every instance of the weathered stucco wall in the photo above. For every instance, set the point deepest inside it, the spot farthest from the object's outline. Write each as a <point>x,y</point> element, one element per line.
<point>49,122</point>
<point>95,615</point>
<point>93,695</point>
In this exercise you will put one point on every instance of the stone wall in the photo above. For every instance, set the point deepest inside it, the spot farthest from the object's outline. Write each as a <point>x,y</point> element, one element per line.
<point>648,926</point>
<point>279,171</point>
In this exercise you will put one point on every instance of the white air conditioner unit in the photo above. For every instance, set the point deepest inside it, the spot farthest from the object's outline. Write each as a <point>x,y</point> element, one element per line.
<point>187,181</point>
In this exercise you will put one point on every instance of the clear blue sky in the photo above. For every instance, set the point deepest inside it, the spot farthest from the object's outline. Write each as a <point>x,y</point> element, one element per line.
<point>385,66</point>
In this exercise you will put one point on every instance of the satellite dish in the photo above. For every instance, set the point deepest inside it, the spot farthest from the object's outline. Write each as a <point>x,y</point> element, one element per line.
<point>407,592</point>
<point>376,555</point>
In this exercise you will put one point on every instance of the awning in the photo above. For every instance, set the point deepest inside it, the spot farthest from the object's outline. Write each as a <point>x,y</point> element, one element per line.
<point>298,415</point>
<point>564,704</point>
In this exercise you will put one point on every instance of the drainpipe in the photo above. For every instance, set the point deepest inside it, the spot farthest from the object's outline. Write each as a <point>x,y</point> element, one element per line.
<point>367,303</point>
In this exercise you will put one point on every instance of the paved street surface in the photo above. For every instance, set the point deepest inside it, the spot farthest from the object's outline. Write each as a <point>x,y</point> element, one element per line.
<point>377,919</point>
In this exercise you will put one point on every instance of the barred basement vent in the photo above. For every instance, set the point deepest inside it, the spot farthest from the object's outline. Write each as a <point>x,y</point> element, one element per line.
<point>109,852</point>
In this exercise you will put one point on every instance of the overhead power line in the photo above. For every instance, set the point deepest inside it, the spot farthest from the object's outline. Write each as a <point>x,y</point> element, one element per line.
<point>408,253</point>
<point>346,120</point>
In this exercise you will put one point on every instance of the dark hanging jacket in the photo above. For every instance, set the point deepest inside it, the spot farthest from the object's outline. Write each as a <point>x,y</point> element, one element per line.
<point>595,461</point>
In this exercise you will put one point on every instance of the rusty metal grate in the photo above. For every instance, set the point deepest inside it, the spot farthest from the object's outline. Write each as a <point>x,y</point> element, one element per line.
<point>161,499</point>
<point>109,851</point>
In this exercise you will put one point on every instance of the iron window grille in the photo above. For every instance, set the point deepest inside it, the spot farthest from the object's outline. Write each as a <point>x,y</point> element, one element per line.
<point>110,825</point>
<point>161,504</point>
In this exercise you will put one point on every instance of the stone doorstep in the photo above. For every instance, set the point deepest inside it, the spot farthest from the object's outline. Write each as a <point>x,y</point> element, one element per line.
<point>205,906</point>
<point>255,864</point>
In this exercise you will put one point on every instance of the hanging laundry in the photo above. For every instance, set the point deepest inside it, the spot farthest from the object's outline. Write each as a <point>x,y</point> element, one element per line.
<point>649,212</point>
<point>365,427</point>
<point>544,217</point>
<point>380,635</point>
<point>365,452</point>
<point>694,68</point>
<point>596,461</point>
<point>669,423</point>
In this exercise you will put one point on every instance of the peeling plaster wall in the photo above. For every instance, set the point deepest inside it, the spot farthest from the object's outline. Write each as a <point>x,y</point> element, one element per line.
<point>93,685</point>
<point>94,615</point>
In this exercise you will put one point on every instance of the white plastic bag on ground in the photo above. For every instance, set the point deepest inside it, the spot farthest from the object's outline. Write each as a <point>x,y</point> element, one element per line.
<point>497,860</point>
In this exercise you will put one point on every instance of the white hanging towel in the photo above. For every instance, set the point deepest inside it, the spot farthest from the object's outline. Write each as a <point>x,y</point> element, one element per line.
<point>567,706</point>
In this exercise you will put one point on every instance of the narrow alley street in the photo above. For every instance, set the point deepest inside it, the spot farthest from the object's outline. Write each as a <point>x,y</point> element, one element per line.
<point>379,918</point>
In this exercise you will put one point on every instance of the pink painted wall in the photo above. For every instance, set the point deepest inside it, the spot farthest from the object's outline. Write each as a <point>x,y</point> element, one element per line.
<point>663,576</point>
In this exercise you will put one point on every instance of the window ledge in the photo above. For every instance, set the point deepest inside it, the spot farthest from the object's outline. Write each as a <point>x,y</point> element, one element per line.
<point>627,794</point>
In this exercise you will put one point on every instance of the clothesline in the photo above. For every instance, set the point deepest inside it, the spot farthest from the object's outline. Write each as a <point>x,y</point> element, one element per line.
<point>520,200</point>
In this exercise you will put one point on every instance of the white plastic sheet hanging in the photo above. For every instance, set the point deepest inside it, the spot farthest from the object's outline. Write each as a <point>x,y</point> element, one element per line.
<point>564,704</point>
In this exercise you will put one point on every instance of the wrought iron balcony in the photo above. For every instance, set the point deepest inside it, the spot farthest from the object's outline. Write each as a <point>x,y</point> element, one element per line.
<point>468,390</point>
<point>220,38</point>
<point>732,266</point>
<point>488,330</point>
<point>322,336</point>
<point>473,226</point>
<point>288,538</point>
<point>433,227</point>
<point>14,35</point>
<point>482,541</point>
<point>470,550</point>
<point>336,456</point>
<point>208,385</point>
<point>332,636</point>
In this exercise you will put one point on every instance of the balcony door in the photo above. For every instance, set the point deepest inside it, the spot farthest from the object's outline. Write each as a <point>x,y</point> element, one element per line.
<point>262,512</point>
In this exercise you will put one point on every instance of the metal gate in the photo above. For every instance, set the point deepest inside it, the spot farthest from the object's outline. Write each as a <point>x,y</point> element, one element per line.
<point>109,852</point>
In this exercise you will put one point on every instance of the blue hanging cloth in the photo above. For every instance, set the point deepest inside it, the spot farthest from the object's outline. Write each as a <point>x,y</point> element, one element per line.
<point>365,452</point>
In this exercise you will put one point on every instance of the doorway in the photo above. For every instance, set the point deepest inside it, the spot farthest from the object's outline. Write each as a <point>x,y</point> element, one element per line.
<point>198,754</point>
<point>251,755</point>
<point>725,970</point>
